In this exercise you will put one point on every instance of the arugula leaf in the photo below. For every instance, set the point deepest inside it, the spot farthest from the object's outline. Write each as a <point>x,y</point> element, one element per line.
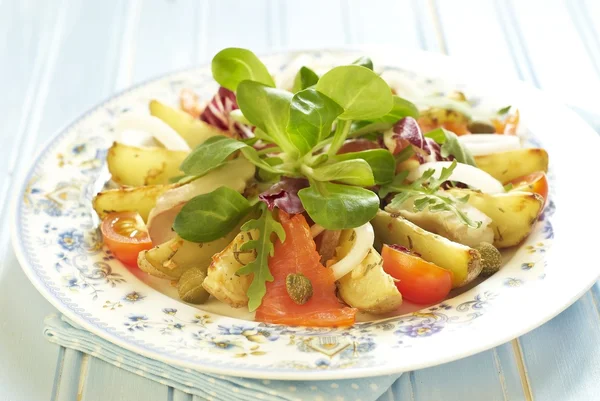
<point>211,216</point>
<point>209,155</point>
<point>381,161</point>
<point>425,191</point>
<point>450,145</point>
<point>311,117</point>
<point>263,247</point>
<point>305,78</point>
<point>363,94</point>
<point>215,151</point>
<point>401,108</point>
<point>233,65</point>
<point>364,62</point>
<point>339,207</point>
<point>353,172</point>
<point>269,110</point>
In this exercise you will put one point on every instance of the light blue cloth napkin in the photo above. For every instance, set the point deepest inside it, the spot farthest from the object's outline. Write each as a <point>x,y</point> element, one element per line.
<point>62,331</point>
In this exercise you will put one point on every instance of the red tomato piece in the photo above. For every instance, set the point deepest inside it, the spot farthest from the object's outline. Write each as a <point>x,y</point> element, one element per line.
<point>535,182</point>
<point>125,235</point>
<point>419,281</point>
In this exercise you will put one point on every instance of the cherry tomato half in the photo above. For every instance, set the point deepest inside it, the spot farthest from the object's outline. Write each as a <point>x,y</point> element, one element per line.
<point>534,182</point>
<point>419,281</point>
<point>125,234</point>
<point>508,125</point>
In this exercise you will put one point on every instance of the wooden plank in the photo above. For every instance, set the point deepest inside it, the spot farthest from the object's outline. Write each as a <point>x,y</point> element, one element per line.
<point>396,23</point>
<point>476,36</point>
<point>71,374</point>
<point>553,45</point>
<point>303,28</point>
<point>563,357</point>
<point>30,32</point>
<point>233,23</point>
<point>166,38</point>
<point>105,382</point>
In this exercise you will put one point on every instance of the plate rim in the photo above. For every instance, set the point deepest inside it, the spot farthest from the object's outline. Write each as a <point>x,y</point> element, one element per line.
<point>19,249</point>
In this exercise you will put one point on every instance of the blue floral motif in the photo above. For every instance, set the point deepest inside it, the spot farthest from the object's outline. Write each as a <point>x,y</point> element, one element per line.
<point>527,266</point>
<point>137,322</point>
<point>169,311</point>
<point>78,149</point>
<point>424,329</point>
<point>548,231</point>
<point>70,240</point>
<point>49,207</point>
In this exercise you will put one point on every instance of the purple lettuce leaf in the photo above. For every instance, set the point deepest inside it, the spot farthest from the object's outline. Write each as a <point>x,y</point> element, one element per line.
<point>284,195</point>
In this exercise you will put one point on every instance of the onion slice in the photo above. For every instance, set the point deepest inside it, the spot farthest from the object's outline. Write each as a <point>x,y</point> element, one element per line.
<point>472,176</point>
<point>362,244</point>
<point>484,144</point>
<point>154,126</point>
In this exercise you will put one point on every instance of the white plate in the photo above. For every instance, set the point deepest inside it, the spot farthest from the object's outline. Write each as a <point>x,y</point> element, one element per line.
<point>59,249</point>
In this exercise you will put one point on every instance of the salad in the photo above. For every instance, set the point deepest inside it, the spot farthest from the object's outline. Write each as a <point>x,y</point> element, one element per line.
<point>335,193</point>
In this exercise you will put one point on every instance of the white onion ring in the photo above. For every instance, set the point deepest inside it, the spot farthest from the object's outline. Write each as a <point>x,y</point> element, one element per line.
<point>362,244</point>
<point>154,126</point>
<point>472,176</point>
<point>484,144</point>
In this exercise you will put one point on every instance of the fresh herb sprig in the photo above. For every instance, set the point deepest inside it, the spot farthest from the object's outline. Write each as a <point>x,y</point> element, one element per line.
<point>427,195</point>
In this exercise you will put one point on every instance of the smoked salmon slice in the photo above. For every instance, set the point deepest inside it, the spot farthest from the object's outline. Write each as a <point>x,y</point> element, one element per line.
<point>298,254</point>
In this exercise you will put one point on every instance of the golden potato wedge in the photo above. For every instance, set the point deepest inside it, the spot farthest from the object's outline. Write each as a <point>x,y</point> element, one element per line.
<point>368,287</point>
<point>506,166</point>
<point>140,199</point>
<point>193,130</point>
<point>513,214</point>
<point>222,281</point>
<point>462,261</point>
<point>133,166</point>
<point>177,255</point>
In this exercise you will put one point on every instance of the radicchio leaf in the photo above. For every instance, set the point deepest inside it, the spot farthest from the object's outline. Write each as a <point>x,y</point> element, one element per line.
<point>401,248</point>
<point>408,130</point>
<point>284,195</point>
<point>217,113</point>
<point>358,145</point>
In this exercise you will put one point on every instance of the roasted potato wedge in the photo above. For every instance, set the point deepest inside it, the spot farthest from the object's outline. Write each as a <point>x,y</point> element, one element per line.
<point>222,281</point>
<point>462,261</point>
<point>193,130</point>
<point>513,214</point>
<point>368,287</point>
<point>140,199</point>
<point>133,166</point>
<point>506,166</point>
<point>177,255</point>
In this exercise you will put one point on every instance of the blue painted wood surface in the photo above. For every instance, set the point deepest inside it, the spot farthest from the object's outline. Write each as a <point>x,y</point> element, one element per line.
<point>59,58</point>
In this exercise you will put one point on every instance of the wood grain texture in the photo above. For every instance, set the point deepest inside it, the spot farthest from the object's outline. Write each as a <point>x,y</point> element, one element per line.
<point>67,57</point>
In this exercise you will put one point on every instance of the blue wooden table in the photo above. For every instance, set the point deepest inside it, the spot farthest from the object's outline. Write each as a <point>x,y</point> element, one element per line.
<point>59,58</point>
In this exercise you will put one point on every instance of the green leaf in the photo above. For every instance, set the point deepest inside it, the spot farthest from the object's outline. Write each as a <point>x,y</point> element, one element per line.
<point>263,247</point>
<point>305,78</point>
<point>210,155</point>
<point>268,176</point>
<point>362,128</point>
<point>269,110</point>
<point>404,154</point>
<point>450,145</point>
<point>381,161</point>
<point>338,207</point>
<point>364,62</point>
<point>363,94</point>
<point>211,216</point>
<point>311,117</point>
<point>401,108</point>
<point>353,172</point>
<point>504,110</point>
<point>233,65</point>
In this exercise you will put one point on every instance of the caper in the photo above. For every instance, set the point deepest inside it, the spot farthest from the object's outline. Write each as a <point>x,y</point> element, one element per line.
<point>299,288</point>
<point>190,286</point>
<point>490,258</point>
<point>481,127</point>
